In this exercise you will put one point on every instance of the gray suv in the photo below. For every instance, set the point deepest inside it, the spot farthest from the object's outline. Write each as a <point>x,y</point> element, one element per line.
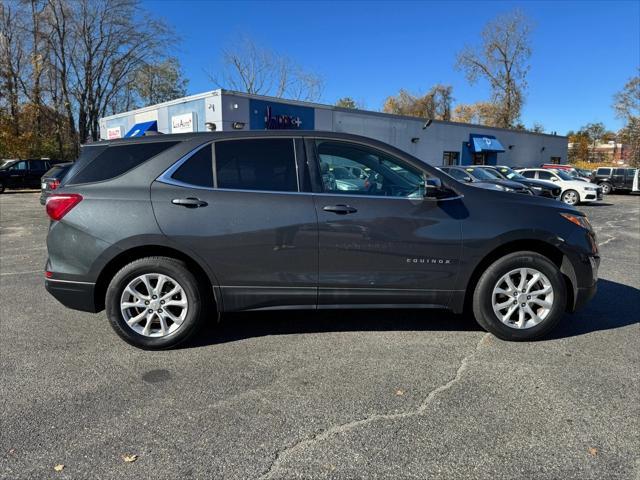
<point>165,232</point>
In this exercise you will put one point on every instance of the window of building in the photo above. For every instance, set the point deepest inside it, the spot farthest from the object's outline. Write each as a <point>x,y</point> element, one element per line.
<point>116,160</point>
<point>261,164</point>
<point>479,159</point>
<point>556,160</point>
<point>197,170</point>
<point>450,158</point>
<point>353,169</point>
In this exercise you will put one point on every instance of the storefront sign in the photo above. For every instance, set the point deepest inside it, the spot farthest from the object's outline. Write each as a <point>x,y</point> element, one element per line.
<point>114,132</point>
<point>280,116</point>
<point>182,123</point>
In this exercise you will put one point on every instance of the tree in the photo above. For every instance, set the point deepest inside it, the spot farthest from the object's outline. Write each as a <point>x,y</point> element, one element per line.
<point>480,113</point>
<point>537,128</point>
<point>253,69</point>
<point>627,106</point>
<point>627,101</point>
<point>159,82</point>
<point>502,60</point>
<point>435,104</point>
<point>347,102</point>
<point>580,147</point>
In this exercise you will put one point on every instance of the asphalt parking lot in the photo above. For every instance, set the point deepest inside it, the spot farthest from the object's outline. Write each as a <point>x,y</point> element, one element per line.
<point>389,394</point>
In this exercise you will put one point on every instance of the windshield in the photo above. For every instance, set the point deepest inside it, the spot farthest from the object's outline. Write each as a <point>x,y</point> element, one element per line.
<point>6,163</point>
<point>481,174</point>
<point>564,175</point>
<point>511,174</point>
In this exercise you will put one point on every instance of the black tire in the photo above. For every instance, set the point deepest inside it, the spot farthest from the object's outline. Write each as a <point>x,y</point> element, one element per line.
<point>1,187</point>
<point>567,193</point>
<point>482,296</point>
<point>607,188</point>
<point>176,269</point>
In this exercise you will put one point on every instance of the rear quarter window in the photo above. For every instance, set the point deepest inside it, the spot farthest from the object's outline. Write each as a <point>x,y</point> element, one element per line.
<point>114,161</point>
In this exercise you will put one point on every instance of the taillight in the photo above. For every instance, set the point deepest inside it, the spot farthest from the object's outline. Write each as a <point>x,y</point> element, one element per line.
<point>59,205</point>
<point>53,184</point>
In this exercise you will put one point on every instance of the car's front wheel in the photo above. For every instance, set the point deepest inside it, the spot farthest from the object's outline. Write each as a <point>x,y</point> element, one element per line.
<point>521,296</point>
<point>571,197</point>
<point>154,303</point>
<point>2,187</point>
<point>607,188</point>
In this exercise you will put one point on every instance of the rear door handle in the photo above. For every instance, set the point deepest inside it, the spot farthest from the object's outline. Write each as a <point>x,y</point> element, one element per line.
<point>340,209</point>
<point>189,202</point>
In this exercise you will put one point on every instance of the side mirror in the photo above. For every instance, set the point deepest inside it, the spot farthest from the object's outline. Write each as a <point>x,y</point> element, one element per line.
<point>554,179</point>
<point>468,179</point>
<point>432,187</point>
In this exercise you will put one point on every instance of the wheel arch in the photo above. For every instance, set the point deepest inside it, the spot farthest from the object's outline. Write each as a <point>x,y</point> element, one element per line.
<point>553,253</point>
<point>142,251</point>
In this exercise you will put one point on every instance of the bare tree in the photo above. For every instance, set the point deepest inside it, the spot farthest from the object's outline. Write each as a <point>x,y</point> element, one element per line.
<point>12,60</point>
<point>502,60</point>
<point>627,101</point>
<point>253,69</point>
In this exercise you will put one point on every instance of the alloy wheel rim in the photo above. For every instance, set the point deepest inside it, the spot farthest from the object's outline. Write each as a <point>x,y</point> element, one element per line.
<point>522,298</point>
<point>570,198</point>
<point>154,305</point>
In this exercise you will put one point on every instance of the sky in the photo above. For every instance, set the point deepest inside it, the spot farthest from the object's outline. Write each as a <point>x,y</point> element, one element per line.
<point>582,52</point>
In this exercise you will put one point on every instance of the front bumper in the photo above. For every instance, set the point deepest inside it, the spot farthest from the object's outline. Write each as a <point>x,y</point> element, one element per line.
<point>75,295</point>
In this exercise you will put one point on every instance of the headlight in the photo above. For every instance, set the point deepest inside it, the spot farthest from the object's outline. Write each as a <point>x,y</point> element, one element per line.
<point>500,187</point>
<point>591,189</point>
<point>537,189</point>
<point>578,220</point>
<point>507,189</point>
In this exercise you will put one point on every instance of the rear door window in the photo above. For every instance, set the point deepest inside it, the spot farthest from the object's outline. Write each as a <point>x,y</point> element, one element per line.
<point>260,164</point>
<point>116,160</point>
<point>545,175</point>
<point>529,174</point>
<point>197,170</point>
<point>603,171</point>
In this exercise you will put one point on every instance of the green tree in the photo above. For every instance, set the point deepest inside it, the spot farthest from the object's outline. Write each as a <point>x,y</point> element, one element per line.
<point>346,102</point>
<point>502,60</point>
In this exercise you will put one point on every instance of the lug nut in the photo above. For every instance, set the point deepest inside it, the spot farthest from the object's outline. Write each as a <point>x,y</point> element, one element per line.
<point>154,297</point>
<point>515,302</point>
<point>146,302</point>
<point>528,297</point>
<point>159,310</point>
<point>523,305</point>
<point>161,302</point>
<point>150,311</point>
<point>523,291</point>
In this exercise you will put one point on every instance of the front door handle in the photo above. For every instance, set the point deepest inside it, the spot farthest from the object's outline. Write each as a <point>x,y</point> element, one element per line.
<point>189,202</point>
<point>340,209</point>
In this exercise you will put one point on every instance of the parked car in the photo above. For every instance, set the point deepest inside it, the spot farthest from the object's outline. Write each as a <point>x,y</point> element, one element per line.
<point>584,173</point>
<point>573,191</point>
<point>462,176</point>
<point>22,173</point>
<point>539,187</point>
<point>187,224</point>
<point>50,181</point>
<point>612,179</point>
<point>485,175</point>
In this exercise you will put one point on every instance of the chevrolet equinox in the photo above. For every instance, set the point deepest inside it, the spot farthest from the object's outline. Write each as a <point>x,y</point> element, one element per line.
<point>166,232</point>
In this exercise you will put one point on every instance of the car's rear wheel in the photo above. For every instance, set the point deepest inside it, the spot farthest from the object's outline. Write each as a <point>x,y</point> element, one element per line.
<point>521,296</point>
<point>570,197</point>
<point>154,303</point>
<point>607,188</point>
<point>1,187</point>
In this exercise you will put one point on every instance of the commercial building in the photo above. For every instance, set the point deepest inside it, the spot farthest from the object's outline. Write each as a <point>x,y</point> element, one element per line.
<point>435,142</point>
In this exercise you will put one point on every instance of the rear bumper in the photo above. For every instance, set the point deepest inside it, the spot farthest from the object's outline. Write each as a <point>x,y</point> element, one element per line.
<point>75,295</point>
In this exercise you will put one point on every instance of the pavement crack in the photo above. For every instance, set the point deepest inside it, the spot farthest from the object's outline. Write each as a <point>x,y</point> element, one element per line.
<point>282,455</point>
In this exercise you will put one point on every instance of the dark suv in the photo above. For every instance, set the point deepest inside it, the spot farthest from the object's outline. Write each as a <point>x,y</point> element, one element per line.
<point>614,179</point>
<point>166,231</point>
<point>22,173</point>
